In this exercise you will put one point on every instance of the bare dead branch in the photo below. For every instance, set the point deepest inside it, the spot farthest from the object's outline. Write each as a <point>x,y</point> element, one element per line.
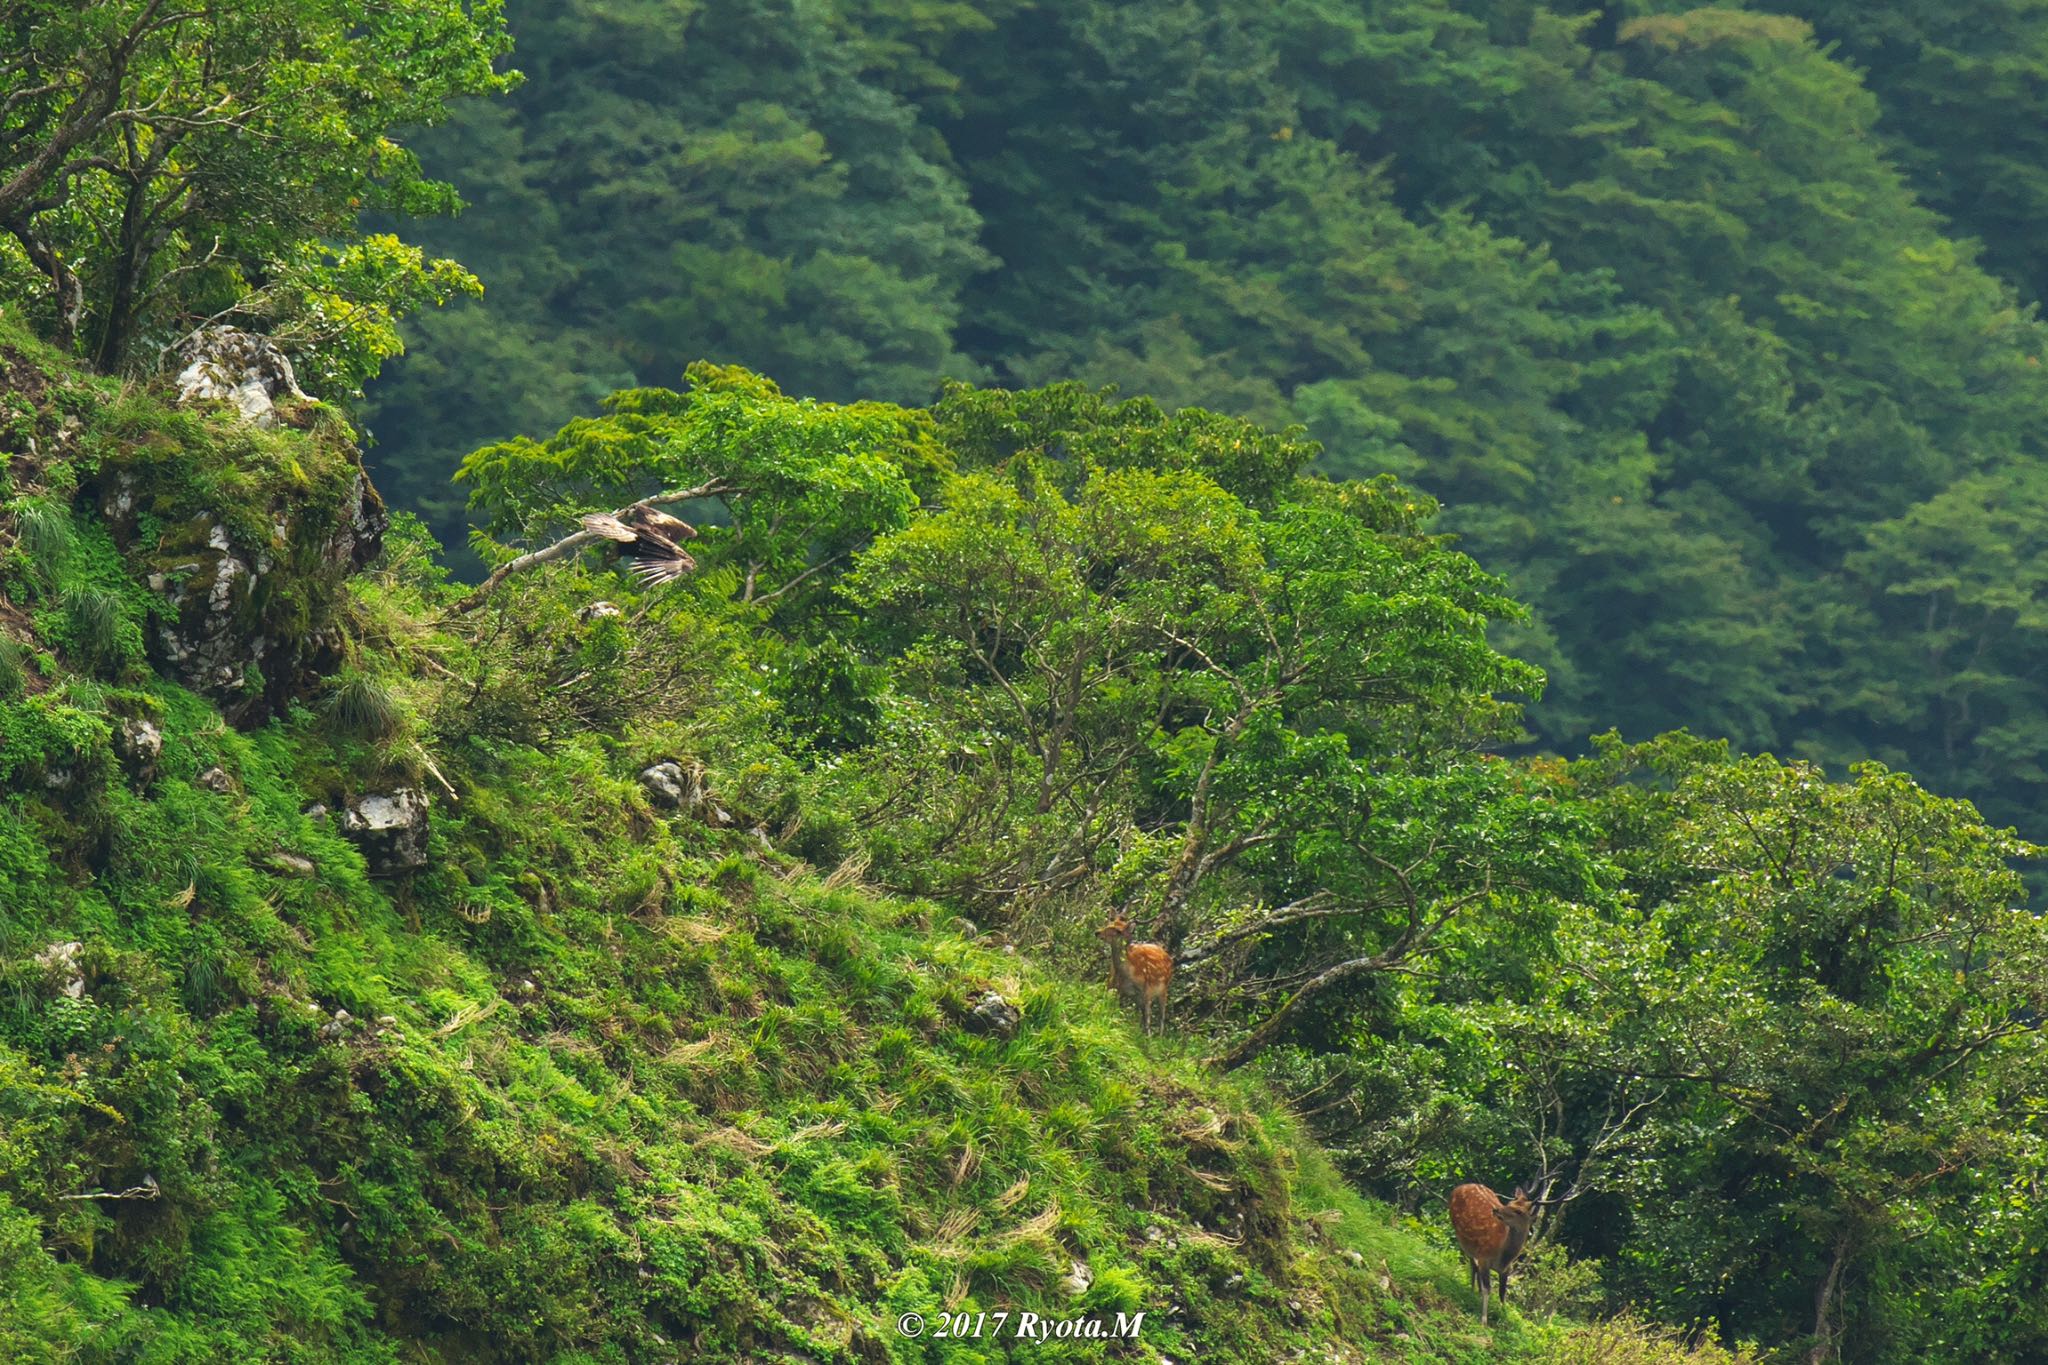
<point>148,1189</point>
<point>576,540</point>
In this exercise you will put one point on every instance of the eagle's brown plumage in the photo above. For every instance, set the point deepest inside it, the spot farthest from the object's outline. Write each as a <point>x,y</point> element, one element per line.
<point>646,537</point>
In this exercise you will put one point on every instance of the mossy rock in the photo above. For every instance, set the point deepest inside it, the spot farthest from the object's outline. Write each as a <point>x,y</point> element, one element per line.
<point>247,537</point>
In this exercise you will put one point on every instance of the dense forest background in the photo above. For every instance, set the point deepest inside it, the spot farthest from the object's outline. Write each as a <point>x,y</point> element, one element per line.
<point>1713,329</point>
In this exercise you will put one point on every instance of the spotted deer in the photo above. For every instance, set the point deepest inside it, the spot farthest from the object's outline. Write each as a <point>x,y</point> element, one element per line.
<point>1137,971</point>
<point>1492,1230</point>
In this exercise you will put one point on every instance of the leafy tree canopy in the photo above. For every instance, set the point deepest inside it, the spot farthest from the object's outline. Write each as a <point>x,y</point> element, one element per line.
<point>792,486</point>
<point>1659,300</point>
<point>167,163</point>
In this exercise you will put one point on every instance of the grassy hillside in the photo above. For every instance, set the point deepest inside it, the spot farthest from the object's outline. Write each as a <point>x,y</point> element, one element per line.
<point>598,1080</point>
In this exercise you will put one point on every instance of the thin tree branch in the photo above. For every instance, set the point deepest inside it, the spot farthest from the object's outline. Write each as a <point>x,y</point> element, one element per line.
<point>576,540</point>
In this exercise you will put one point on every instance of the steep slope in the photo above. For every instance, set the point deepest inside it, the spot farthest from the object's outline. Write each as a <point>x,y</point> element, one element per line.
<point>321,1044</point>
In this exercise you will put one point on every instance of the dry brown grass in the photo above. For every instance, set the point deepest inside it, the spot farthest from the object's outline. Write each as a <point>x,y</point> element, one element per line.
<point>1041,1226</point>
<point>812,1132</point>
<point>737,1140</point>
<point>954,1228</point>
<point>848,873</point>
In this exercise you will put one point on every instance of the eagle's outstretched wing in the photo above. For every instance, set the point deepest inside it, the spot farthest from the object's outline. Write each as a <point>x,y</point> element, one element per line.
<point>649,541</point>
<point>660,523</point>
<point>659,566</point>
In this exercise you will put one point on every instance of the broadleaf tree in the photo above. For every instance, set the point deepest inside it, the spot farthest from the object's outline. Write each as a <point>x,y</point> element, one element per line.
<point>164,163</point>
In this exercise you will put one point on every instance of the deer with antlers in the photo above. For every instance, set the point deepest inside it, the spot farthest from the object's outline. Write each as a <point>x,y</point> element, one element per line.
<point>1492,1230</point>
<point>1139,972</point>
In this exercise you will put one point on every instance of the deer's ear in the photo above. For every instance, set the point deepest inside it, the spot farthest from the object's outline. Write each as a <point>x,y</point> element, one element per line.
<point>1520,1193</point>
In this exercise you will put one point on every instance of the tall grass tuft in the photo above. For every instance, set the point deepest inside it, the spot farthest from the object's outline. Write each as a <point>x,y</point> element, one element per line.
<point>43,530</point>
<point>13,669</point>
<point>363,708</point>
<point>93,616</point>
<point>205,977</point>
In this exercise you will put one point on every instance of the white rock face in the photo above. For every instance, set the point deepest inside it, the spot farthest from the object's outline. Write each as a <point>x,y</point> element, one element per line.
<point>139,744</point>
<point>226,364</point>
<point>667,785</point>
<point>390,828</point>
<point>383,812</point>
<point>995,1016</point>
<point>63,958</point>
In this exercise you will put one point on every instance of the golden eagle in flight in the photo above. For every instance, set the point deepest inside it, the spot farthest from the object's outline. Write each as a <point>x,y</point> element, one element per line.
<point>647,538</point>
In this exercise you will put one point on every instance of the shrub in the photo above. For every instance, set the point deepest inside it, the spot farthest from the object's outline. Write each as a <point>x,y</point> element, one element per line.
<point>1626,1341</point>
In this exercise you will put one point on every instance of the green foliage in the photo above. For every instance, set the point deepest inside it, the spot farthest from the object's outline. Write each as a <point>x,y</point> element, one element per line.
<point>1627,1341</point>
<point>43,735</point>
<point>43,530</point>
<point>338,307</point>
<point>795,485</point>
<point>713,1101</point>
<point>171,171</point>
<point>13,669</point>
<point>1661,300</point>
<point>1132,647</point>
<point>92,626</point>
<point>1979,160</point>
<point>1834,980</point>
<point>754,186</point>
<point>1956,581</point>
<point>829,697</point>
<point>1071,427</point>
<point>670,1044</point>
